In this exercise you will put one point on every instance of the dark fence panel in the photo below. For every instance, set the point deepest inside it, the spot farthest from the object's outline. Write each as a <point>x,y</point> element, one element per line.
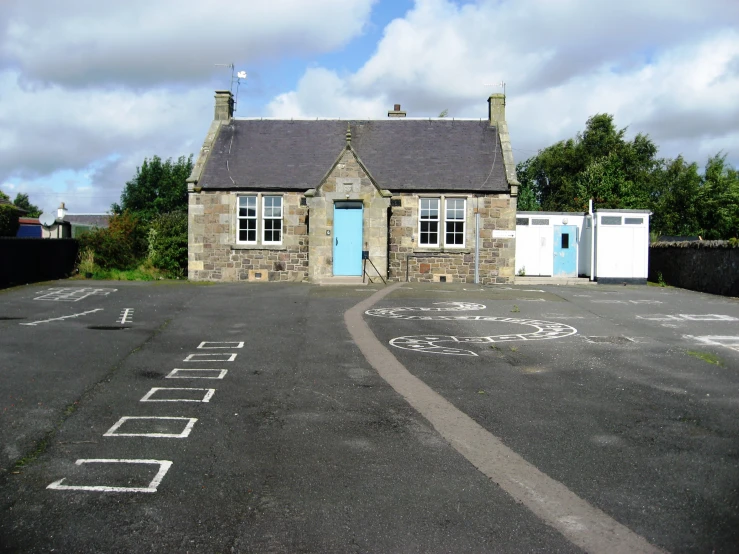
<point>25,260</point>
<point>705,266</point>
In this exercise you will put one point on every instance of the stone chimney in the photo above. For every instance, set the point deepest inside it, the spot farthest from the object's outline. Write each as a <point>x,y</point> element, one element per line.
<point>496,109</point>
<point>396,112</point>
<point>224,105</point>
<point>61,212</point>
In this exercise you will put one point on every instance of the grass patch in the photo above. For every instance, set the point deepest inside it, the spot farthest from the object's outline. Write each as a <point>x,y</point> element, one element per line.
<point>706,357</point>
<point>145,272</point>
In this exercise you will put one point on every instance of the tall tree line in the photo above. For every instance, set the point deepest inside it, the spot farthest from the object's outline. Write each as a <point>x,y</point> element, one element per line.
<point>599,163</point>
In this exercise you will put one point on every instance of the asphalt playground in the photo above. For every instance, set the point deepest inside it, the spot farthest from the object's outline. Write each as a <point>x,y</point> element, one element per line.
<point>185,417</point>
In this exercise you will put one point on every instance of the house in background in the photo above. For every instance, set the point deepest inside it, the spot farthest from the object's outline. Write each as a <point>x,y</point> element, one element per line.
<point>30,228</point>
<point>67,225</point>
<point>400,198</point>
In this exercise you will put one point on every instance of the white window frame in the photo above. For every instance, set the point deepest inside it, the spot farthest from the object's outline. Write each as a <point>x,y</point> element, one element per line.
<point>260,218</point>
<point>442,202</point>
<point>456,220</point>
<point>430,220</point>
<point>240,218</point>
<point>264,218</point>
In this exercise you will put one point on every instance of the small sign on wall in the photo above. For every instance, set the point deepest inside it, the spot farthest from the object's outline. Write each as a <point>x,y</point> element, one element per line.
<point>503,234</point>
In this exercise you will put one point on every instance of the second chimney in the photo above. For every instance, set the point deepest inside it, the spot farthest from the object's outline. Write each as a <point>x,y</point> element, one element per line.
<point>496,109</point>
<point>396,112</point>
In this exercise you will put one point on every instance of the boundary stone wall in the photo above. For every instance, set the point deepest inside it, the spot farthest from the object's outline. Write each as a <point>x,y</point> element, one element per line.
<point>705,266</point>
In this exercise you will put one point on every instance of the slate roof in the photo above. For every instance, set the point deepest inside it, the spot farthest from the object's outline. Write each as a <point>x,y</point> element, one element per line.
<point>400,154</point>
<point>93,220</point>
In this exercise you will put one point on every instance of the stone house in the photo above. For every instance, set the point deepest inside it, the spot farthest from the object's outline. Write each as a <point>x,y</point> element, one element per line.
<point>402,199</point>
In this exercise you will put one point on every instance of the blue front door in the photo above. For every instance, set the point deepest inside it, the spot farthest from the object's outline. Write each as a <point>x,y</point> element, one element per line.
<point>565,251</point>
<point>348,238</point>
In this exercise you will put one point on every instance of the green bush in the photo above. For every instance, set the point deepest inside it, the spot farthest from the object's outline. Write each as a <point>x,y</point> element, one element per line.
<point>121,246</point>
<point>9,223</point>
<point>168,243</point>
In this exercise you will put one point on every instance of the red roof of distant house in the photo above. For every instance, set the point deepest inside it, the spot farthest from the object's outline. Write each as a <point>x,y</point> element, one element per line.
<point>29,221</point>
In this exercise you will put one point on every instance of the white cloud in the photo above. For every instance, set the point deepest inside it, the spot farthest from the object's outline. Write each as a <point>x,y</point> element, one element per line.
<point>663,68</point>
<point>140,42</point>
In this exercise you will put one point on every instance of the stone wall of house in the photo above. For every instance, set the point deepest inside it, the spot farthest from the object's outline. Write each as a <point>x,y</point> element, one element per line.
<point>427,264</point>
<point>215,255</point>
<point>347,181</point>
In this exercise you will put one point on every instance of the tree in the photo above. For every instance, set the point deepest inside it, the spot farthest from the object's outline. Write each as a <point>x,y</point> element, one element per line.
<point>21,201</point>
<point>719,204</point>
<point>158,187</point>
<point>598,163</point>
<point>9,223</point>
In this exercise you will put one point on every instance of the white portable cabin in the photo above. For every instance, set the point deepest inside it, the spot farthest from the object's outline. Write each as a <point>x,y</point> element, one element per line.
<point>565,244</point>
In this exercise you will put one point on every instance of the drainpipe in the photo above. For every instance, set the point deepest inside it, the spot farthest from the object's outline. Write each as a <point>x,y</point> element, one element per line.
<point>477,247</point>
<point>592,240</point>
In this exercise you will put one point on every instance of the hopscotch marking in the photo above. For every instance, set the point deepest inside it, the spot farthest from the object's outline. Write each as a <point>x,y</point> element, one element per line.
<point>183,434</point>
<point>178,373</point>
<point>164,466</point>
<point>687,317</point>
<point>62,317</point>
<point>126,316</point>
<point>430,343</point>
<point>69,294</point>
<point>220,357</point>
<point>226,344</point>
<point>148,396</point>
<point>717,340</point>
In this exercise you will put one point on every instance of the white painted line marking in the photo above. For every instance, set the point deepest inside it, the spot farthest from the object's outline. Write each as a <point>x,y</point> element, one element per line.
<point>707,317</point>
<point>148,396</point>
<point>164,466</point>
<point>63,317</point>
<point>646,301</point>
<point>126,316</point>
<point>687,317</point>
<point>220,357</point>
<point>226,344</point>
<point>582,523</point>
<point>431,343</point>
<point>717,340</point>
<point>179,373</point>
<point>183,434</point>
<point>69,294</point>
<point>608,301</point>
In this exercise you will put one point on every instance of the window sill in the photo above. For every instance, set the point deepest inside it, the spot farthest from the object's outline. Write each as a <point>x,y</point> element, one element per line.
<point>238,246</point>
<point>441,250</point>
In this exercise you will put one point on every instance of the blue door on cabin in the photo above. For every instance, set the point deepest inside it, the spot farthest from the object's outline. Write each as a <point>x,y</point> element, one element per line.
<point>348,238</point>
<point>565,251</point>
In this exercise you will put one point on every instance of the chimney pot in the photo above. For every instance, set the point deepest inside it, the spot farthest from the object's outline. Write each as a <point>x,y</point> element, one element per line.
<point>396,112</point>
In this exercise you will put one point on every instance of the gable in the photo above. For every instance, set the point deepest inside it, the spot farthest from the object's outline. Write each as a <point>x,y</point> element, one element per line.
<point>401,155</point>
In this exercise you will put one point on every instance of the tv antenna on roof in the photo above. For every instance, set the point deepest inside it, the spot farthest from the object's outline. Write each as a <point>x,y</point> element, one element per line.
<point>501,84</point>
<point>234,79</point>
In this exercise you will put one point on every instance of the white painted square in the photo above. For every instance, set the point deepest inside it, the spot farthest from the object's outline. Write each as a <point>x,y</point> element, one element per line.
<point>164,466</point>
<point>179,373</point>
<point>220,357</point>
<point>183,394</point>
<point>221,344</point>
<point>154,423</point>
<point>708,317</point>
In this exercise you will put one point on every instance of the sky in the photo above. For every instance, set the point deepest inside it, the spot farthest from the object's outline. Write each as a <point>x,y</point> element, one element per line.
<point>89,89</point>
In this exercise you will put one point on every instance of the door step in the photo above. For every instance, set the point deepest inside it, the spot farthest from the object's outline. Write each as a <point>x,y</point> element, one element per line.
<point>341,280</point>
<point>535,280</point>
